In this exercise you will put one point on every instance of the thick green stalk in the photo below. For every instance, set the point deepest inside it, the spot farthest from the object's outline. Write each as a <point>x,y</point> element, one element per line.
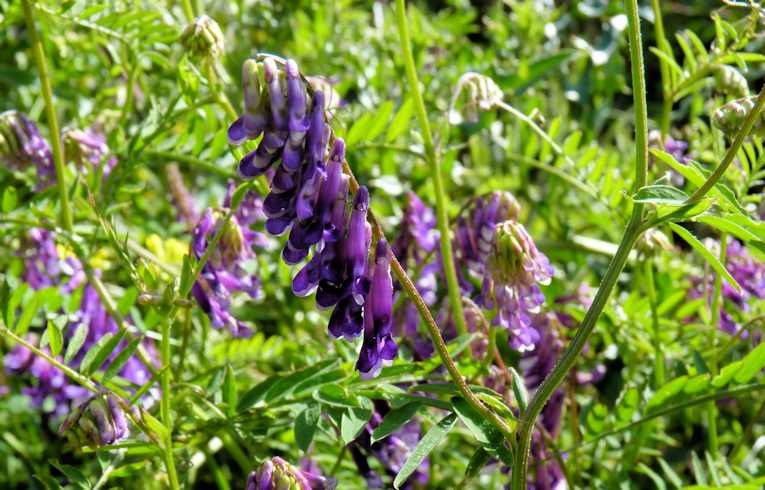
<point>569,357</point>
<point>432,158</point>
<point>50,111</point>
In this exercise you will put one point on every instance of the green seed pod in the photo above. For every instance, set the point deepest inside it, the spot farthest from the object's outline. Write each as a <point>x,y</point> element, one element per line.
<point>731,82</point>
<point>203,38</point>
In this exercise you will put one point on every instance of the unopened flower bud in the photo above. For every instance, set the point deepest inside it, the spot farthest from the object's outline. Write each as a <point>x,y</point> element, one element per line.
<point>22,145</point>
<point>99,422</point>
<point>515,258</point>
<point>730,117</point>
<point>481,94</point>
<point>203,38</point>
<point>277,474</point>
<point>653,241</point>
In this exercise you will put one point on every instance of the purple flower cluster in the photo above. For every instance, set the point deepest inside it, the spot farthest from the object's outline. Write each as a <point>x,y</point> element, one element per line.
<point>391,452</point>
<point>50,388</point>
<point>224,273</point>
<point>512,281</point>
<point>278,474</point>
<point>746,270</point>
<point>100,421</point>
<point>308,197</point>
<point>22,145</point>
<point>88,148</point>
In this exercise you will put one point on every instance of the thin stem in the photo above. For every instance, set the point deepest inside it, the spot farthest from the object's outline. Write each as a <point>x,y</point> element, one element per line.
<point>192,162</point>
<point>634,228</point>
<point>659,361</point>
<point>164,407</point>
<point>188,10</point>
<point>715,310</point>
<point>71,373</point>
<point>432,158</point>
<point>663,45</point>
<point>435,333</point>
<point>50,111</point>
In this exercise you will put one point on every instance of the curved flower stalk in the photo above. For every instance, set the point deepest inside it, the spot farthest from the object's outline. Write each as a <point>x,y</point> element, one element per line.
<point>225,273</point>
<point>308,198</point>
<point>22,145</point>
<point>391,452</point>
<point>278,474</point>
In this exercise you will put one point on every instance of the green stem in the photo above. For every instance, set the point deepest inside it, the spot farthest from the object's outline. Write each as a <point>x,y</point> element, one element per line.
<point>50,111</point>
<point>715,308</point>
<point>164,407</point>
<point>663,45</point>
<point>71,373</point>
<point>659,361</point>
<point>192,162</point>
<point>634,228</point>
<point>188,10</point>
<point>432,158</point>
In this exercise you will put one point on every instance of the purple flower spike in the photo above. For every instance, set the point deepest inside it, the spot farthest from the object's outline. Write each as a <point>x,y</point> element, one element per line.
<point>22,145</point>
<point>378,347</point>
<point>298,123</point>
<point>275,94</point>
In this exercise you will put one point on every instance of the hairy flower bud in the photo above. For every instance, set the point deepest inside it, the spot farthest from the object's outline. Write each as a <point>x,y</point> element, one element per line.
<point>730,117</point>
<point>481,93</point>
<point>203,38</point>
<point>22,145</point>
<point>653,241</point>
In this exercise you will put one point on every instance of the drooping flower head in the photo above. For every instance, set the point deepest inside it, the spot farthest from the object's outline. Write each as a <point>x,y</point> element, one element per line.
<point>224,273</point>
<point>22,145</point>
<point>88,148</point>
<point>100,421</point>
<point>203,38</point>
<point>278,474</point>
<point>516,270</point>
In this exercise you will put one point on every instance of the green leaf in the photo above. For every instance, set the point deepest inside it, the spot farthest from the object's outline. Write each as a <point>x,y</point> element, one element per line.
<point>73,474</point>
<point>255,395</point>
<point>76,342</point>
<point>666,392</point>
<point>359,129</point>
<point>519,390</point>
<point>484,432</point>
<point>14,300</point>
<point>10,199</point>
<point>335,396</point>
<point>660,194</point>
<point>27,315</point>
<point>298,379</point>
<point>229,390</point>
<point>88,364</point>
<point>127,301</point>
<point>352,423</point>
<point>628,405</point>
<point>433,438</point>
<point>727,225</point>
<point>697,384</point>
<point>394,420</point>
<point>400,121</point>
<point>726,374</point>
<point>306,424</point>
<point>381,118</point>
<point>708,256</point>
<point>477,461</point>
<point>751,364</point>
<point>55,339</point>
<point>121,359</point>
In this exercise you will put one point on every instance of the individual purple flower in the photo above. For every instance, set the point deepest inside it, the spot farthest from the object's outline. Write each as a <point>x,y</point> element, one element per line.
<point>516,270</point>
<point>89,149</point>
<point>100,421</point>
<point>378,347</point>
<point>22,145</point>
<point>418,236</point>
<point>224,273</point>
<point>278,474</point>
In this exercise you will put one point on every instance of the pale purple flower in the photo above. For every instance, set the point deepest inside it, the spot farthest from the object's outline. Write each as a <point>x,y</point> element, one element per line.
<point>278,474</point>
<point>22,145</point>
<point>100,421</point>
<point>89,149</point>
